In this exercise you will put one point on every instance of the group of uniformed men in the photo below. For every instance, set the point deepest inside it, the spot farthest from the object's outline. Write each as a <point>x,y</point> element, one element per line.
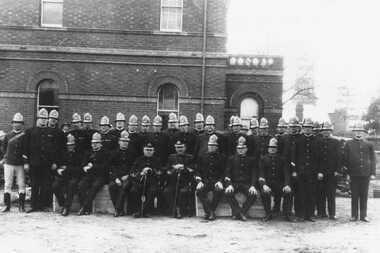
<point>299,166</point>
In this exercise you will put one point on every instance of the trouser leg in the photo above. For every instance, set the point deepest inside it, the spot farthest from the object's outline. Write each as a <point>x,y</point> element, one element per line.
<point>168,194</point>
<point>266,199</point>
<point>135,197</point>
<point>363,196</point>
<point>320,198</point>
<point>45,187</point>
<point>96,185</point>
<point>113,189</point>
<point>216,197</point>
<point>72,188</point>
<point>35,181</point>
<point>9,171</point>
<point>83,186</point>
<point>331,184</point>
<point>311,184</point>
<point>151,192</point>
<point>202,196</point>
<point>57,189</point>
<point>250,198</point>
<point>123,191</point>
<point>354,197</point>
<point>230,196</point>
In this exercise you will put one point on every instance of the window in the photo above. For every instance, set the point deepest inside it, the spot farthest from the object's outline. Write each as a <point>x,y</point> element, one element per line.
<point>249,108</point>
<point>47,96</point>
<point>171,15</point>
<point>52,13</point>
<point>167,102</point>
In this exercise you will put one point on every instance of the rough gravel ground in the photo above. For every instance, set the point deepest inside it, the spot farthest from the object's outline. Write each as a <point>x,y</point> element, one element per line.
<point>50,232</point>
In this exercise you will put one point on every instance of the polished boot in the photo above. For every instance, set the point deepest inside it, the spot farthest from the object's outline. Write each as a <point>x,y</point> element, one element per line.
<point>21,202</point>
<point>267,217</point>
<point>116,213</point>
<point>82,211</point>
<point>7,202</point>
<point>65,211</point>
<point>212,216</point>
<point>179,214</point>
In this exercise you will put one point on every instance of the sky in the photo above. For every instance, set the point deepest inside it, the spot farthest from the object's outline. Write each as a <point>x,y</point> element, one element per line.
<point>341,38</point>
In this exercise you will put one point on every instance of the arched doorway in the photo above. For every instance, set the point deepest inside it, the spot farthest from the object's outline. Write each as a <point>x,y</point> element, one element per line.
<point>249,108</point>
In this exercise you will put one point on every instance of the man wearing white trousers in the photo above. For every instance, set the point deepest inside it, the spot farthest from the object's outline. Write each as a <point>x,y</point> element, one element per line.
<point>14,159</point>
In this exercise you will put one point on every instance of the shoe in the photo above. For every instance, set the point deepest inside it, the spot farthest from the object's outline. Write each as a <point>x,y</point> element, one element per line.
<point>32,210</point>
<point>289,218</point>
<point>137,215</point>
<point>267,217</point>
<point>179,214</point>
<point>235,217</point>
<point>7,202</point>
<point>312,219</point>
<point>322,216</point>
<point>207,216</point>
<point>116,213</point>
<point>88,211</point>
<point>243,217</point>
<point>121,213</point>
<point>301,219</point>
<point>61,211</point>
<point>365,219</point>
<point>44,209</point>
<point>82,211</point>
<point>65,212</point>
<point>21,202</point>
<point>212,216</point>
<point>333,217</point>
<point>145,215</point>
<point>354,218</point>
<point>275,209</point>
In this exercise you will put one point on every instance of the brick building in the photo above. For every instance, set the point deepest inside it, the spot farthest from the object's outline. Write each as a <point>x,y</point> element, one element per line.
<point>134,56</point>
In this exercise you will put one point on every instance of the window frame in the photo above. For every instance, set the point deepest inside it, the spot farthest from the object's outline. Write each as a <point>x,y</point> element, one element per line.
<point>47,107</point>
<point>42,13</point>
<point>161,19</point>
<point>158,99</point>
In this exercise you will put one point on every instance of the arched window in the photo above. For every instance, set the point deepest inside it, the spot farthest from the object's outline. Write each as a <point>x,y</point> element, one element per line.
<point>249,108</point>
<point>47,96</point>
<point>167,101</point>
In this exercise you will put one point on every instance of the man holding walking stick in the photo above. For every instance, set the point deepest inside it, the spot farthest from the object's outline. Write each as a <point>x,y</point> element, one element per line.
<point>180,170</point>
<point>145,171</point>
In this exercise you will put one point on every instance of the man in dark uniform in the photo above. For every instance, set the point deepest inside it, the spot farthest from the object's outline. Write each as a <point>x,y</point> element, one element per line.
<point>263,139</point>
<point>180,168</point>
<point>209,177</point>
<point>317,130</point>
<point>233,137</point>
<point>360,160</point>
<point>159,140</point>
<point>307,170</point>
<point>254,127</point>
<point>109,140</point>
<point>87,127</point>
<point>13,147</point>
<point>201,144</point>
<point>136,139</point>
<point>286,149</point>
<point>172,132</point>
<point>42,151</point>
<point>274,179</point>
<point>95,166</point>
<point>121,161</point>
<point>199,124</point>
<point>241,176</point>
<point>145,127</point>
<point>146,171</point>
<point>331,163</point>
<point>185,136</point>
<point>68,175</point>
<point>65,126</point>
<point>281,130</point>
<point>119,125</point>
<point>82,137</point>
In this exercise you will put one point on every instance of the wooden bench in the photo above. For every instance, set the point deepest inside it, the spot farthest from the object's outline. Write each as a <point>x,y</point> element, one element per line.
<point>224,209</point>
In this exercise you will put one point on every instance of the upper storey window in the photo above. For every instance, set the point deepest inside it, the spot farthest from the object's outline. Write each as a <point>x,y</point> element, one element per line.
<point>171,15</point>
<point>51,13</point>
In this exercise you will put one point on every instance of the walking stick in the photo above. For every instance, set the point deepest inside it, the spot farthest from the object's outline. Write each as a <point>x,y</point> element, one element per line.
<point>143,196</point>
<point>176,193</point>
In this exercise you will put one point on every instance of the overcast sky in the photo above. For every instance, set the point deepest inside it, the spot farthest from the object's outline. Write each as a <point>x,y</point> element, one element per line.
<point>340,37</point>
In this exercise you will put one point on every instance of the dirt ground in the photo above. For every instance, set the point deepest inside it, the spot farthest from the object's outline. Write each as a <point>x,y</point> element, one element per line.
<point>50,232</point>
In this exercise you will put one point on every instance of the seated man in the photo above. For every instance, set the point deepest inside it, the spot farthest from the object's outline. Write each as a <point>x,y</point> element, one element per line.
<point>275,179</point>
<point>95,167</point>
<point>69,174</point>
<point>241,176</point>
<point>121,161</point>
<point>146,171</point>
<point>209,177</point>
<point>180,173</point>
